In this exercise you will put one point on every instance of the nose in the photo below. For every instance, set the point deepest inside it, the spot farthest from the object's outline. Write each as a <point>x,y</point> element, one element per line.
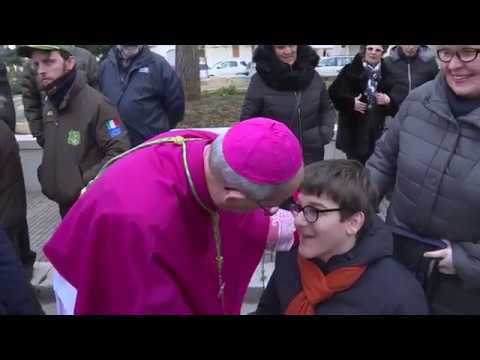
<point>455,63</point>
<point>41,70</point>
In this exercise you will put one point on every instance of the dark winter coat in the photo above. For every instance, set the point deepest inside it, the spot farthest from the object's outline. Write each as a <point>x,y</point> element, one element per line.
<point>149,98</point>
<point>386,287</point>
<point>433,160</point>
<point>17,297</point>
<point>12,187</point>
<point>410,73</point>
<point>7,108</point>
<point>295,95</point>
<point>78,141</point>
<point>358,132</point>
<point>86,64</point>
<point>13,202</point>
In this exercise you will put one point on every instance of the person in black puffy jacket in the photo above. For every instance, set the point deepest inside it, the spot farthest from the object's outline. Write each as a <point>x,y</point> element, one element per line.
<point>287,88</point>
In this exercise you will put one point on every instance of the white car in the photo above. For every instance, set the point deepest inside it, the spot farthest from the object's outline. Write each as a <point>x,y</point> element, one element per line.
<point>331,66</point>
<point>229,68</point>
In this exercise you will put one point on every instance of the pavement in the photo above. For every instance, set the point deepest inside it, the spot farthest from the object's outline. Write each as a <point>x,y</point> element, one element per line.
<point>43,218</point>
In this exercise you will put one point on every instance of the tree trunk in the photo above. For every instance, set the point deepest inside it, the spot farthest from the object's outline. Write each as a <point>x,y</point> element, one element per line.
<point>187,67</point>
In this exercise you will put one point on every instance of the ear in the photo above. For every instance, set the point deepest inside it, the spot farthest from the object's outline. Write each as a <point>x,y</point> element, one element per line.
<point>355,223</point>
<point>70,63</point>
<point>233,196</point>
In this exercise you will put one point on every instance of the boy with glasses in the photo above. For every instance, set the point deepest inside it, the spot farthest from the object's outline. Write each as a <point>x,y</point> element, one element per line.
<point>343,263</point>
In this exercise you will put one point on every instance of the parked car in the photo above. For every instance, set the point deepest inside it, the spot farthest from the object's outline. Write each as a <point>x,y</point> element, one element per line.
<point>228,68</point>
<point>331,66</point>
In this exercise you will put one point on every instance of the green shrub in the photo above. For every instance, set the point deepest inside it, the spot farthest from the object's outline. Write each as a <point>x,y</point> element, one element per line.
<point>227,91</point>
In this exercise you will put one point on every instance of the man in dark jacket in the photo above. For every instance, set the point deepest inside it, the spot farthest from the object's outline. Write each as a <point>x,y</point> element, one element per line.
<point>430,158</point>
<point>17,296</point>
<point>287,88</point>
<point>343,264</point>
<point>13,204</point>
<point>81,128</point>
<point>411,66</point>
<point>32,96</point>
<point>7,108</point>
<point>146,90</point>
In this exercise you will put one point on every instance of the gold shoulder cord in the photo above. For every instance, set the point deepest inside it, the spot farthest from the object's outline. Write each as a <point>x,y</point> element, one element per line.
<point>180,140</point>
<point>215,223</point>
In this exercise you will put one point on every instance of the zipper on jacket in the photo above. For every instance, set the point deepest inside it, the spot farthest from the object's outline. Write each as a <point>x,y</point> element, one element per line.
<point>409,78</point>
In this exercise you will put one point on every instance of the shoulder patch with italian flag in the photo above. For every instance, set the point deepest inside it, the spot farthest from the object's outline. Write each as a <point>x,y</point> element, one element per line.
<point>114,128</point>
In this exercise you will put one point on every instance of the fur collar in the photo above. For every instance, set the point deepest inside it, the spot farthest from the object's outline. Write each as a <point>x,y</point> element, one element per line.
<point>424,53</point>
<point>281,76</point>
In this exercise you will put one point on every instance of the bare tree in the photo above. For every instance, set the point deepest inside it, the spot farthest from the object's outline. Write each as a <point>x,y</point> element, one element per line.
<point>187,67</point>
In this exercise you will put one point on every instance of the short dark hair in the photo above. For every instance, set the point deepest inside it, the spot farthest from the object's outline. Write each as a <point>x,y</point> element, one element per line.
<point>64,54</point>
<point>344,181</point>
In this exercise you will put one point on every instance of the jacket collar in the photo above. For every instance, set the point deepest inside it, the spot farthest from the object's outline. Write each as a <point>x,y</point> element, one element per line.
<point>437,102</point>
<point>425,54</point>
<point>375,243</point>
<point>140,60</point>
<point>284,77</point>
<point>78,84</point>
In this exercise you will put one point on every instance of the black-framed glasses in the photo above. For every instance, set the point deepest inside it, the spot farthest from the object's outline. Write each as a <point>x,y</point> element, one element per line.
<point>268,210</point>
<point>465,55</point>
<point>310,213</point>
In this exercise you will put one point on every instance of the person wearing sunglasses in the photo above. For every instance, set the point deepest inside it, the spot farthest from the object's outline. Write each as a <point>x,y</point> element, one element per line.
<point>360,93</point>
<point>430,158</point>
<point>343,262</point>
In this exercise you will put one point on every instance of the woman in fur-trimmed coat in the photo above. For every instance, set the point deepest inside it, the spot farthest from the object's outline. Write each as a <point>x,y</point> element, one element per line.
<point>287,88</point>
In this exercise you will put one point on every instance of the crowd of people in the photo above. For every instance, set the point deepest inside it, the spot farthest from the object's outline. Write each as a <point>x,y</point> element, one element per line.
<point>157,220</point>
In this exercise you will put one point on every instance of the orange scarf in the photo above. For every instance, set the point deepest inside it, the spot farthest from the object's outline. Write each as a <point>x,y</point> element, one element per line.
<point>317,287</point>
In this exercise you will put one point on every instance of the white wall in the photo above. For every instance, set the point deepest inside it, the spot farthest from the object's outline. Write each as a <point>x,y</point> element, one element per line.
<point>216,53</point>
<point>213,53</point>
<point>165,51</point>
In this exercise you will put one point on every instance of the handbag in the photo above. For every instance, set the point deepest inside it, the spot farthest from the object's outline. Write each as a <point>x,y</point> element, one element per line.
<point>409,248</point>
